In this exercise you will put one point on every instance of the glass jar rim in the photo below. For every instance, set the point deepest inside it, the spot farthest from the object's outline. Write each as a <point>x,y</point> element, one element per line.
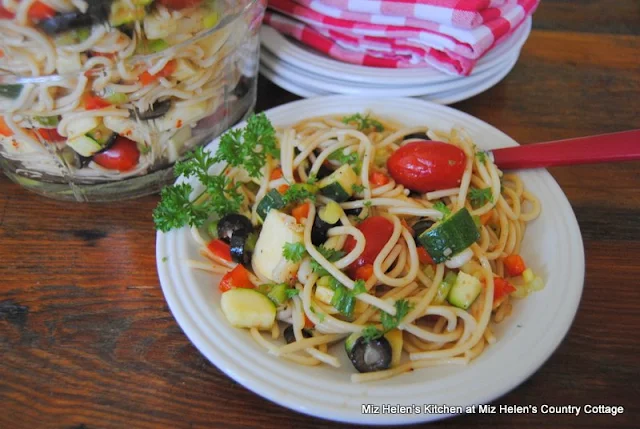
<point>12,79</point>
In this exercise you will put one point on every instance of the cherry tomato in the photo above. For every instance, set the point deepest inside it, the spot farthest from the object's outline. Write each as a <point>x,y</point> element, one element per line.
<point>377,231</point>
<point>5,14</point>
<point>39,11</point>
<point>50,135</point>
<point>424,166</point>
<point>123,155</point>
<point>179,4</point>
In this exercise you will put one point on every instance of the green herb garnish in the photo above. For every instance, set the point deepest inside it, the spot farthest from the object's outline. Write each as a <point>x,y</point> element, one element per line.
<point>294,252</point>
<point>389,322</point>
<point>358,189</point>
<point>246,148</point>
<point>479,197</point>
<point>353,159</point>
<point>442,208</point>
<point>330,255</point>
<point>363,122</point>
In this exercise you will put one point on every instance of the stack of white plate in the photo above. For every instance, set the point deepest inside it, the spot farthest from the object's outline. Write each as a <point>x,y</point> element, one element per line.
<point>307,73</point>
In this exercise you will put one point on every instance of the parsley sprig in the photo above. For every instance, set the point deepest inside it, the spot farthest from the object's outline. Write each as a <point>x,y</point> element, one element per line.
<point>442,208</point>
<point>343,157</point>
<point>294,252</point>
<point>250,146</point>
<point>299,192</point>
<point>479,197</point>
<point>363,122</point>
<point>176,208</point>
<point>246,148</point>
<point>389,322</point>
<point>331,255</point>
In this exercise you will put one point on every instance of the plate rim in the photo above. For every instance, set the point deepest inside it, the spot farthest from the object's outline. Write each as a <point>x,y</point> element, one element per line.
<point>577,271</point>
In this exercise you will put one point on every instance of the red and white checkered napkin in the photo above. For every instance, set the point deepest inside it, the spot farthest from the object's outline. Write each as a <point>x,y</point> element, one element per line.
<point>457,13</point>
<point>387,53</point>
<point>423,44</point>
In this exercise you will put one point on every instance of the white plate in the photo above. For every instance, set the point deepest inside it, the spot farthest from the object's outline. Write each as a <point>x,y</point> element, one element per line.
<point>552,247</point>
<point>460,94</point>
<point>308,59</point>
<point>292,87</point>
<point>464,92</point>
<point>321,83</point>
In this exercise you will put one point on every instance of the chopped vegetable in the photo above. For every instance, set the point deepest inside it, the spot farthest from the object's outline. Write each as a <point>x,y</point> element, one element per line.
<point>450,237</point>
<point>4,128</point>
<point>368,355</point>
<point>424,257</point>
<point>514,264</point>
<point>301,212</point>
<point>236,278</point>
<point>272,200</point>
<point>220,249</point>
<point>444,288</point>
<point>339,185</point>
<point>465,290</point>
<point>357,188</point>
<point>277,293</point>
<point>364,272</point>
<point>93,102</point>
<point>10,90</point>
<point>276,174</point>
<point>146,78</point>
<point>378,179</point>
<point>485,218</point>
<point>248,308</point>
<point>501,288</point>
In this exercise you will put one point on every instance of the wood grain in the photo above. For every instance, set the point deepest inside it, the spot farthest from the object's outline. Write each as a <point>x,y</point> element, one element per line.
<point>87,341</point>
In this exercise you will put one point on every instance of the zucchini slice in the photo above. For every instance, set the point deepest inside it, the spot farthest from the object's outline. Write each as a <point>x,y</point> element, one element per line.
<point>85,146</point>
<point>450,237</point>
<point>464,291</point>
<point>10,91</point>
<point>248,308</point>
<point>339,185</point>
<point>272,200</point>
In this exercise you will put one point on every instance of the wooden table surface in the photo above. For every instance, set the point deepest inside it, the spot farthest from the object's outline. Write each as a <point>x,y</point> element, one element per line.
<point>87,340</point>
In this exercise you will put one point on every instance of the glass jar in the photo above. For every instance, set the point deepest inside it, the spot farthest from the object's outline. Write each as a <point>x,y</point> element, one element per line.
<point>99,98</point>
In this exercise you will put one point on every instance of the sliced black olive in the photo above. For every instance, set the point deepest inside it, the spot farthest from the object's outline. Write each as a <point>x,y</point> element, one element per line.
<point>158,109</point>
<point>421,226</point>
<point>240,251</point>
<point>231,223</point>
<point>323,172</point>
<point>422,136</point>
<point>65,22</point>
<point>353,212</point>
<point>243,86</point>
<point>290,337</point>
<point>319,231</point>
<point>368,356</point>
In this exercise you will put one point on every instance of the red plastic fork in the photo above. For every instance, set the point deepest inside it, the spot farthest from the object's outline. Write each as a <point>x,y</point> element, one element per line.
<point>622,146</point>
